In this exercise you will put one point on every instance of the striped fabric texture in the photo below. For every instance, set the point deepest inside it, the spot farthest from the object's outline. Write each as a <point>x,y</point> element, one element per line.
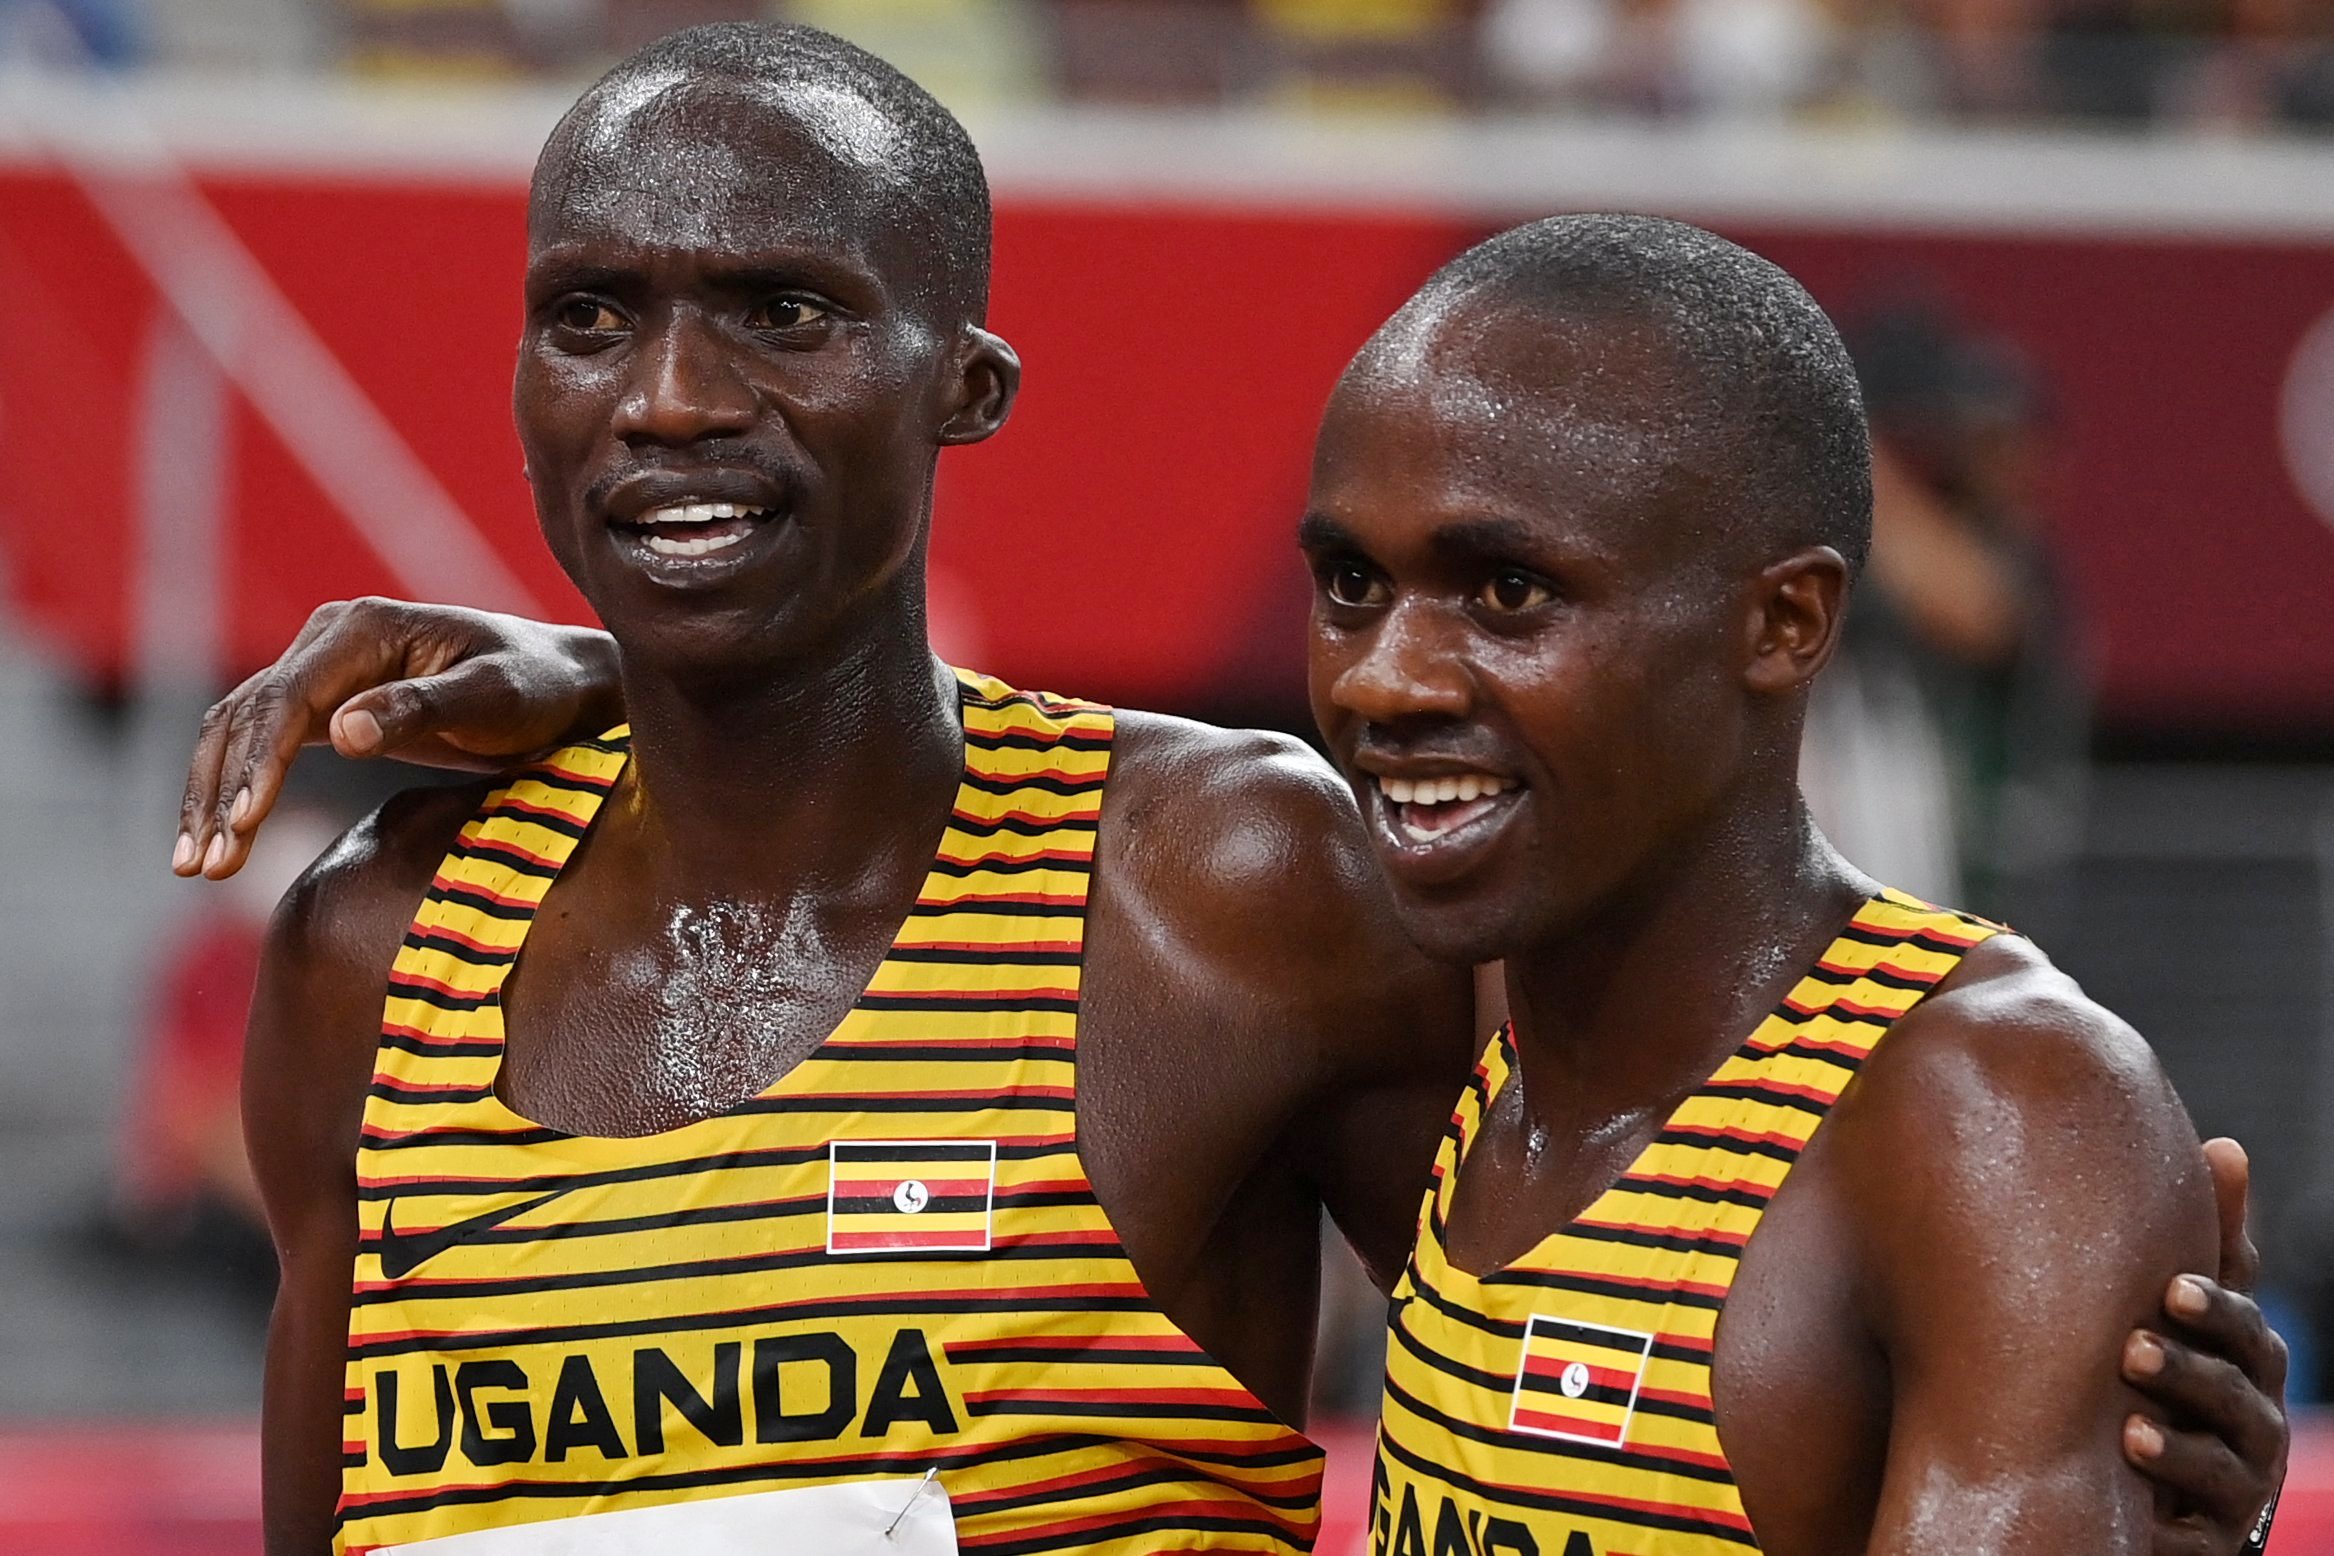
<point>1562,1404</point>
<point>890,1260</point>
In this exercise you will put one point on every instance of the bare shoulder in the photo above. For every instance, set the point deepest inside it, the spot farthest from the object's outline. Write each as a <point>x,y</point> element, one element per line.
<point>1244,848</point>
<point>1247,805</point>
<point>2013,1124</point>
<point>316,1014</point>
<point>347,912</point>
<point>2008,1029</point>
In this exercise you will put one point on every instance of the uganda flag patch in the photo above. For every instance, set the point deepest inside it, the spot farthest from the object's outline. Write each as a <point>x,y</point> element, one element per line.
<point>910,1196</point>
<point>1578,1381</point>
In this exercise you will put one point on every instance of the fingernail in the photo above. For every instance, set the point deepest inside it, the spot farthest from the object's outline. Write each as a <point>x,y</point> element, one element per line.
<point>2144,1437</point>
<point>2144,1355</point>
<point>360,729</point>
<point>216,855</point>
<point>240,809</point>
<point>2188,1298</point>
<point>182,854</point>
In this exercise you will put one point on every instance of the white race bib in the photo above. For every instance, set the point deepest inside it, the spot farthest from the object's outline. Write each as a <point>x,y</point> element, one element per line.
<point>850,1519</point>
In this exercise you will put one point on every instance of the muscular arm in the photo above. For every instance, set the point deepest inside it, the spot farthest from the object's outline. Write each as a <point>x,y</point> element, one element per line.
<point>2024,1185</point>
<point>1249,1016</point>
<point>308,1060</point>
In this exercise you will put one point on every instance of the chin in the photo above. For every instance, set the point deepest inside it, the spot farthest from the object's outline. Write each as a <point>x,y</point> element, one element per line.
<point>712,648</point>
<point>1463,931</point>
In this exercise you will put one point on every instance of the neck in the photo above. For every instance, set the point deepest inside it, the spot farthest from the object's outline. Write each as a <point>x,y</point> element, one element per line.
<point>1625,1013</point>
<point>814,770</point>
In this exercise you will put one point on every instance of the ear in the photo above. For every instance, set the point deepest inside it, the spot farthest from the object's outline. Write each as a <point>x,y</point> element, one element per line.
<point>1796,607</point>
<point>988,379</point>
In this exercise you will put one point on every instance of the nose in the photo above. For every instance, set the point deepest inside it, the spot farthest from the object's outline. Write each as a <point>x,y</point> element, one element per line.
<point>683,387</point>
<point>1407,669</point>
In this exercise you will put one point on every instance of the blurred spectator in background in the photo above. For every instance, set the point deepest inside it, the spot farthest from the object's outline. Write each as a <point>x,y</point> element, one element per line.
<point>2277,64</point>
<point>1662,56</point>
<point>494,37</point>
<point>1947,747</point>
<point>2221,63</point>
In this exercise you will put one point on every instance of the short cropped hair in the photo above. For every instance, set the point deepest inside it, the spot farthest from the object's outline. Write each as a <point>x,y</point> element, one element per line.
<point>934,159</point>
<point>1771,404</point>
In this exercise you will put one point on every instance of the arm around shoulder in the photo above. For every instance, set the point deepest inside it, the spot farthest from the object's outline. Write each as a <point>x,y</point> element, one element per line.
<point>2024,1182</point>
<point>1296,911</point>
<point>308,1060</point>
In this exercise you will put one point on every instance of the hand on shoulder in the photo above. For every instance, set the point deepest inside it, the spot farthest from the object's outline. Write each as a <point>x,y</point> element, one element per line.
<point>2022,1182</point>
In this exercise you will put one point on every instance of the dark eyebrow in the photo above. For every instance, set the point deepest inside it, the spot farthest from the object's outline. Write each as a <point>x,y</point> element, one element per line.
<point>1479,540</point>
<point>559,273</point>
<point>1319,532</point>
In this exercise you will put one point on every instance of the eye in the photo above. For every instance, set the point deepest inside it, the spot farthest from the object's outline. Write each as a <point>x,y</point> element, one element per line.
<point>586,316</point>
<point>1351,584</point>
<point>785,313</point>
<point>1512,589</point>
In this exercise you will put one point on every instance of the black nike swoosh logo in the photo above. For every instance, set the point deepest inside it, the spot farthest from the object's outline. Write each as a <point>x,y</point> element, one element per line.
<point>404,1252</point>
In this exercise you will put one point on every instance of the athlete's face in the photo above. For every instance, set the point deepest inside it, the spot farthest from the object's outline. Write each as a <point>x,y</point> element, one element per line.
<point>734,374</point>
<point>1522,654</point>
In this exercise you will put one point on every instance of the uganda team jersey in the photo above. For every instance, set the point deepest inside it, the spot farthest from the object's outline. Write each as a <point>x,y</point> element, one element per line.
<point>890,1262</point>
<point>1561,1406</point>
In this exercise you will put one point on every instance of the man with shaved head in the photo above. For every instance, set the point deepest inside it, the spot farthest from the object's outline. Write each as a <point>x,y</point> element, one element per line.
<point>1584,519</point>
<point>909,1122</point>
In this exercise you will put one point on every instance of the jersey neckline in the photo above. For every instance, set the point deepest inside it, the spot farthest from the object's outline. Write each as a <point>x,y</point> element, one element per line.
<point>1494,1078</point>
<point>965,800</point>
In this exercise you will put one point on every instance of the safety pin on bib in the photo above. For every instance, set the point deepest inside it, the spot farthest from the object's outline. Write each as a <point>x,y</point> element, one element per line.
<point>922,1486</point>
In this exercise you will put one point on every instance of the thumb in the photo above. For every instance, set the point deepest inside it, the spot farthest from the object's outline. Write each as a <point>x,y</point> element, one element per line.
<point>2232,1181</point>
<point>467,700</point>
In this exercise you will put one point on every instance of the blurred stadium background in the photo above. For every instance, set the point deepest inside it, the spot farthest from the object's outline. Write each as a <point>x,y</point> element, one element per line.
<point>259,260</point>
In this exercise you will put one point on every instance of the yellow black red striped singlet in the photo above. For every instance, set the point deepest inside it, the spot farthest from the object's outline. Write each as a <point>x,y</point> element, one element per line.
<point>1561,1406</point>
<point>888,1261</point>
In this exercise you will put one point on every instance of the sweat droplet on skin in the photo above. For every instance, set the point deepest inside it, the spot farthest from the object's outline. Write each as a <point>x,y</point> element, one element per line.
<point>722,997</point>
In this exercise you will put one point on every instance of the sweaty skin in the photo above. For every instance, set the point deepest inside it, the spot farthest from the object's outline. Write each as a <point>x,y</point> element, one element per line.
<point>796,750</point>
<point>759,348</point>
<point>1518,577</point>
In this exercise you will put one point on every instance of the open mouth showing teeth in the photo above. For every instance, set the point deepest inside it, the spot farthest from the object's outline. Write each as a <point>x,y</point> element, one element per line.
<point>696,529</point>
<point>1429,808</point>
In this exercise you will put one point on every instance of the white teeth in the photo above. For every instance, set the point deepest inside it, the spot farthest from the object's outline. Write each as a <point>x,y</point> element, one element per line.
<point>697,513</point>
<point>1444,791</point>
<point>689,545</point>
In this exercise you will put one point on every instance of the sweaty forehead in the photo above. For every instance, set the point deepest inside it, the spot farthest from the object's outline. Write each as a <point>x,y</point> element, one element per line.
<point>1517,399</point>
<point>669,158</point>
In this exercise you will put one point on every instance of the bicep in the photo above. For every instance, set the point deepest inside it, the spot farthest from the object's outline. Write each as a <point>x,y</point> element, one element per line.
<point>2034,1208</point>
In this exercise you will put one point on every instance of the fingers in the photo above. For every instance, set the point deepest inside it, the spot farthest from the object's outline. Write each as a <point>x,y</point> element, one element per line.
<point>2232,1178</point>
<point>439,718</point>
<point>2231,1325</point>
<point>2236,1402</point>
<point>265,728</point>
<point>2203,1476</point>
<point>198,804</point>
<point>251,737</point>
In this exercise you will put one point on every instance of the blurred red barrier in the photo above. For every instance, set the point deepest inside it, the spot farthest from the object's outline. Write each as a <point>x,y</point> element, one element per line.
<point>1177,358</point>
